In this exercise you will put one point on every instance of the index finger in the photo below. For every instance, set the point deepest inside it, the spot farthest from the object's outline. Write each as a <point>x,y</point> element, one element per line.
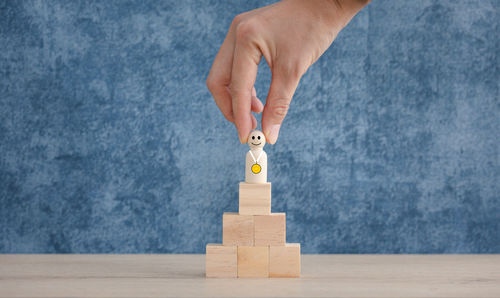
<point>244,72</point>
<point>220,75</point>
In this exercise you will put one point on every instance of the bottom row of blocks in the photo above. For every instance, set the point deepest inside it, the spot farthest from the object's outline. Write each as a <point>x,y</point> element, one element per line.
<point>253,261</point>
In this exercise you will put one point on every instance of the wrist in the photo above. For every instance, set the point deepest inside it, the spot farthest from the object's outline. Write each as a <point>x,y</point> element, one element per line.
<point>345,10</point>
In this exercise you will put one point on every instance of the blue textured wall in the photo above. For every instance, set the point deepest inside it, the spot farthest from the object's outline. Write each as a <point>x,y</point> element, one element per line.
<point>110,141</point>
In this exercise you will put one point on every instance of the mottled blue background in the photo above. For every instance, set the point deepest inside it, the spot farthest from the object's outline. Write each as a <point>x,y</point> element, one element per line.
<point>111,143</point>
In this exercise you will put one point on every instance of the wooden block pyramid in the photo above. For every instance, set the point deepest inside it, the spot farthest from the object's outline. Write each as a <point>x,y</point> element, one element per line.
<point>253,240</point>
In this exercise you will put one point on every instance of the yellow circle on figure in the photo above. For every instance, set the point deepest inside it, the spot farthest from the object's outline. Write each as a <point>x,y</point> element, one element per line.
<point>256,168</point>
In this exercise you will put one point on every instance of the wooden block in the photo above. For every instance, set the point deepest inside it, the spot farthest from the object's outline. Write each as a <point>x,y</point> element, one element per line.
<point>284,261</point>
<point>255,198</point>
<point>253,261</point>
<point>270,229</point>
<point>237,229</point>
<point>221,261</point>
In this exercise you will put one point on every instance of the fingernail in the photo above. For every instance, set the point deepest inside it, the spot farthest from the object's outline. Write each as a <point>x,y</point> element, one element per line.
<point>273,133</point>
<point>242,138</point>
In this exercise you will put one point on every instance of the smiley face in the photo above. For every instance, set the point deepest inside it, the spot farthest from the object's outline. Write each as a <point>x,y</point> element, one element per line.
<point>256,140</point>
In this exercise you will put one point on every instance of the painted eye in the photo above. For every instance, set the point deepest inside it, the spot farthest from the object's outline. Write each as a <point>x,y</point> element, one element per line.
<point>258,137</point>
<point>253,137</point>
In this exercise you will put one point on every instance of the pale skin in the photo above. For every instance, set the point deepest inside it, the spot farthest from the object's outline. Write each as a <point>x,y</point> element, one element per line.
<point>291,35</point>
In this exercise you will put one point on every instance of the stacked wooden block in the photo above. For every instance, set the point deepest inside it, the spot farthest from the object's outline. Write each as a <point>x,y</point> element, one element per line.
<point>253,240</point>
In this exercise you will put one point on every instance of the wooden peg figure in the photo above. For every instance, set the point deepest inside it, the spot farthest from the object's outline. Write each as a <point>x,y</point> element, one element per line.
<point>256,160</point>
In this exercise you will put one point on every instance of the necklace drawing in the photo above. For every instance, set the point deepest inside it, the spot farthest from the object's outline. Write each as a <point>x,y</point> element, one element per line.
<point>256,168</point>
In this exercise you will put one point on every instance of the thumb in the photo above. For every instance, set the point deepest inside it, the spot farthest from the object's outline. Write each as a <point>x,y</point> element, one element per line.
<point>283,85</point>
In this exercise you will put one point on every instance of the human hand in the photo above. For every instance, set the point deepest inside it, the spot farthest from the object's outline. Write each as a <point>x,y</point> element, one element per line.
<point>291,35</point>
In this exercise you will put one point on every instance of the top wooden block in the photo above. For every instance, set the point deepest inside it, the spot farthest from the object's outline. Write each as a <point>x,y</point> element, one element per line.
<point>255,198</point>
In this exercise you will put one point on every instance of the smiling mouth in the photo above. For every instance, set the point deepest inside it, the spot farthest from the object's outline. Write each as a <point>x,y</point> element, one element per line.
<point>256,144</point>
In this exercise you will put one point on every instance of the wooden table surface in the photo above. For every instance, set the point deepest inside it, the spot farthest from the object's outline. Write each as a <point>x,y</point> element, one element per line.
<point>183,276</point>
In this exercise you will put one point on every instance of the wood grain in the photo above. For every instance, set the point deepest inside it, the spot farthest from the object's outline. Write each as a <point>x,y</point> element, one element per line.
<point>237,229</point>
<point>253,261</point>
<point>184,276</point>
<point>255,198</point>
<point>270,229</point>
<point>284,261</point>
<point>221,261</point>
